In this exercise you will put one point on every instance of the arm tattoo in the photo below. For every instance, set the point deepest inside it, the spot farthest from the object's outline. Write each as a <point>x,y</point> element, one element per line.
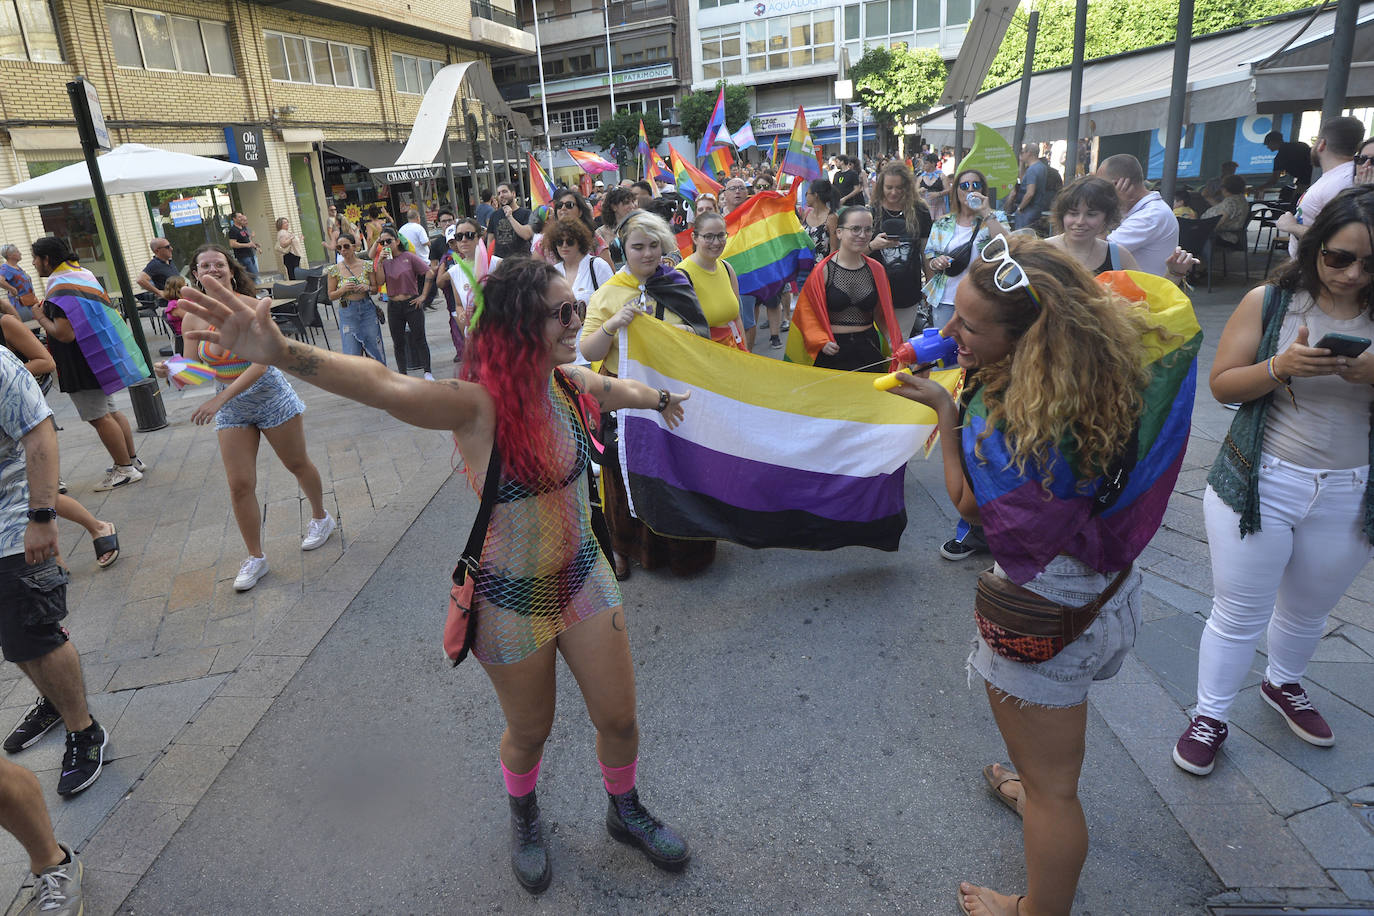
<point>576,376</point>
<point>304,365</point>
<point>606,386</point>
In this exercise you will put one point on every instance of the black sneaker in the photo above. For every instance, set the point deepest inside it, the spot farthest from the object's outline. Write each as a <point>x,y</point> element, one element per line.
<point>628,822</point>
<point>775,342</point>
<point>83,760</point>
<point>956,549</point>
<point>37,722</point>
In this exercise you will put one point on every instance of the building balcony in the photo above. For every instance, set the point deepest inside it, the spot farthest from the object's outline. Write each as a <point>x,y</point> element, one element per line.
<point>560,28</point>
<point>432,20</point>
<point>631,78</point>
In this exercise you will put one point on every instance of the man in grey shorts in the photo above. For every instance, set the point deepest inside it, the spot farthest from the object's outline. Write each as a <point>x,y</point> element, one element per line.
<point>53,260</point>
<point>33,586</point>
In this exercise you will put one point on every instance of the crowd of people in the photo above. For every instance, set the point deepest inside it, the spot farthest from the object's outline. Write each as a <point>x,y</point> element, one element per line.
<point>535,303</point>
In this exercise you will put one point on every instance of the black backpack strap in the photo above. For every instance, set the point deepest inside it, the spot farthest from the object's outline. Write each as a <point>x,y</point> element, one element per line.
<point>1118,475</point>
<point>472,553</point>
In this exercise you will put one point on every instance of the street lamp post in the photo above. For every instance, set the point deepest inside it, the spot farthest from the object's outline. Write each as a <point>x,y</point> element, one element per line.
<point>543,93</point>
<point>844,91</point>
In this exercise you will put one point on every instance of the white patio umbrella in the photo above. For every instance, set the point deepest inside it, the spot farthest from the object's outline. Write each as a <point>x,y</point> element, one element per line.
<point>126,169</point>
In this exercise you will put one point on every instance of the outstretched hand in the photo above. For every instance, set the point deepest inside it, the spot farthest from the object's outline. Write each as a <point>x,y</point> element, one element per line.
<point>239,323</point>
<point>673,413</point>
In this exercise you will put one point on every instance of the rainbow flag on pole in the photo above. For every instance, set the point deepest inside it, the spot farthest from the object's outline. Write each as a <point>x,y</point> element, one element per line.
<point>800,158</point>
<point>644,147</point>
<point>657,168</point>
<point>591,163</point>
<point>773,156</point>
<point>841,446</point>
<point>720,159</point>
<point>541,189</point>
<point>688,175</point>
<point>767,243</point>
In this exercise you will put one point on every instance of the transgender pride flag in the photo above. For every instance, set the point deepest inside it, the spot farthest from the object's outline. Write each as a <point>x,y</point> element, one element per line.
<point>769,454</point>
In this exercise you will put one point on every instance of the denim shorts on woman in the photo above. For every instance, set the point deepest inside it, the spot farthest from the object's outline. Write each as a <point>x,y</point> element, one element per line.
<point>271,401</point>
<point>1094,656</point>
<point>33,601</point>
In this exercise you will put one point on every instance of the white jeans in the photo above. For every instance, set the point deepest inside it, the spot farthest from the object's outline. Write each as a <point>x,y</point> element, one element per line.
<point>1288,575</point>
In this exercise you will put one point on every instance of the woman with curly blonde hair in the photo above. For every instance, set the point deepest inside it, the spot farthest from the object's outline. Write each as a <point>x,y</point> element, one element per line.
<point>1068,463</point>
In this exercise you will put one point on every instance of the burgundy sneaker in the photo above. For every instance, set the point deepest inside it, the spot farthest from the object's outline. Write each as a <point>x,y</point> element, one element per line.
<point>1196,751</point>
<point>1293,704</point>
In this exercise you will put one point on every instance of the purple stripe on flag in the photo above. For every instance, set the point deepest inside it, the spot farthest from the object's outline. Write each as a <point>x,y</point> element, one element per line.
<point>655,452</point>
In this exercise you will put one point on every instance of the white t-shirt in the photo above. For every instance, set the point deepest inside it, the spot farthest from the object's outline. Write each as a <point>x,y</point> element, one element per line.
<point>21,409</point>
<point>582,285</point>
<point>1332,182</point>
<point>416,235</point>
<point>1150,232</point>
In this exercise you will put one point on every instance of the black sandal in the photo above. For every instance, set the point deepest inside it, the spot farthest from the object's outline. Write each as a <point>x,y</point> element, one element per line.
<point>106,544</point>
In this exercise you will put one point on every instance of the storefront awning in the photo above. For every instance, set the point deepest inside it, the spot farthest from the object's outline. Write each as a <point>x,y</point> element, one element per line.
<point>370,154</point>
<point>1273,66</point>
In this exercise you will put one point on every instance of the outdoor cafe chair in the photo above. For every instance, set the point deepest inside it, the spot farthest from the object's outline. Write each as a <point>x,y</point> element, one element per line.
<point>1195,236</point>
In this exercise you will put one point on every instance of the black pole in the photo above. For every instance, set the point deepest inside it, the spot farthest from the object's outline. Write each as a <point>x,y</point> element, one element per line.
<point>958,132</point>
<point>1022,103</point>
<point>76,91</point>
<point>1342,50</point>
<point>1178,95</point>
<point>1080,39</point>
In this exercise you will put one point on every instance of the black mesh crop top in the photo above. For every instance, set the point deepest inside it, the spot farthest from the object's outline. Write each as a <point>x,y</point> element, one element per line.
<point>850,296</point>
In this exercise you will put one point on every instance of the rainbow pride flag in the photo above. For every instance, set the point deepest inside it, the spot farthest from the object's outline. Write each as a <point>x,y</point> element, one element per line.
<point>714,126</point>
<point>684,173</point>
<point>841,446</point>
<point>773,156</point>
<point>767,243</point>
<point>591,163</point>
<point>1027,527</point>
<point>644,148</point>
<point>800,158</point>
<point>657,168</point>
<point>541,189</point>
<point>720,159</point>
<point>102,334</point>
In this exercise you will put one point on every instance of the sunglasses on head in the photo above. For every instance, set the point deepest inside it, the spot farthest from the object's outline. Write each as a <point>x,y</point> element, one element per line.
<point>970,186</point>
<point>1336,259</point>
<point>564,312</point>
<point>1009,275</point>
<point>465,236</point>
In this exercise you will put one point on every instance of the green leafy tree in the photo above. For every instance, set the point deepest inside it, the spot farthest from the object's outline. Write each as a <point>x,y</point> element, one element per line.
<point>1116,26</point>
<point>898,84</point>
<point>622,133</point>
<point>695,109</point>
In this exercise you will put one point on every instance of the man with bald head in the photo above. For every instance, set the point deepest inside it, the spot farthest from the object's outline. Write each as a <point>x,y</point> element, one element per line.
<point>1148,229</point>
<point>156,271</point>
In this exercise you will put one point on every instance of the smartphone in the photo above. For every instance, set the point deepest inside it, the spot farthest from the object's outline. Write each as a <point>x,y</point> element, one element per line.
<point>895,229</point>
<point>1344,344</point>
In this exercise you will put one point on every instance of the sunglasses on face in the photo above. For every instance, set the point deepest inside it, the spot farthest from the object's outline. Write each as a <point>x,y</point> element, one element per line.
<point>565,310</point>
<point>1361,160</point>
<point>760,187</point>
<point>464,236</point>
<point>970,186</point>
<point>344,246</point>
<point>1008,276</point>
<point>386,241</point>
<point>566,205</point>
<point>1336,259</point>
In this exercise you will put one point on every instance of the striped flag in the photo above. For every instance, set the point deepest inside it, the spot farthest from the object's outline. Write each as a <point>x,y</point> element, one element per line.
<point>541,189</point>
<point>720,159</point>
<point>684,173</point>
<point>102,336</point>
<point>767,243</point>
<point>644,147</point>
<point>591,163</point>
<point>714,126</point>
<point>773,156</point>
<point>744,137</point>
<point>800,158</point>
<point>657,169</point>
<point>841,446</point>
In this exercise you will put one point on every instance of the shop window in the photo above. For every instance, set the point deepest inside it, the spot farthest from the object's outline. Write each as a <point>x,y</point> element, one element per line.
<point>154,41</point>
<point>294,59</point>
<point>28,31</point>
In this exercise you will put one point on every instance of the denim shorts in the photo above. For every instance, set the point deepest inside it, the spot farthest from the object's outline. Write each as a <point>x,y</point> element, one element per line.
<point>32,601</point>
<point>271,401</point>
<point>1096,655</point>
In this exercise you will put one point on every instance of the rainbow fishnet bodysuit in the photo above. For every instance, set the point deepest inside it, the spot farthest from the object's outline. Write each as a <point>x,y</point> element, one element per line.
<point>542,570</point>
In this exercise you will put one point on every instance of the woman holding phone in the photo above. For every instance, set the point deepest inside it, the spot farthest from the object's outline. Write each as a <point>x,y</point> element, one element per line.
<point>956,239</point>
<point>902,222</point>
<point>1288,506</point>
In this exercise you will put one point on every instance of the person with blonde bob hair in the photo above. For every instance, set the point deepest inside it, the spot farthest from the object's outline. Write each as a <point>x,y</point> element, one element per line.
<point>1041,439</point>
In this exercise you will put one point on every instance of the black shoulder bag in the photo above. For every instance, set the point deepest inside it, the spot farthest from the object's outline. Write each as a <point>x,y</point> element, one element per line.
<point>460,627</point>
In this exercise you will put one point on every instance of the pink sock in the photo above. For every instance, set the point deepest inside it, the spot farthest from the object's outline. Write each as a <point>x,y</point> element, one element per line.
<point>619,780</point>
<point>520,784</point>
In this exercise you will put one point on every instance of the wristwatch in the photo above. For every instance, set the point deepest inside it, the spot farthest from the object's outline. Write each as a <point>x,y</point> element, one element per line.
<point>42,515</point>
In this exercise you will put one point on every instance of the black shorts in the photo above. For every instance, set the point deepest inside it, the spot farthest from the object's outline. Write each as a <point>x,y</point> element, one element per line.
<point>33,599</point>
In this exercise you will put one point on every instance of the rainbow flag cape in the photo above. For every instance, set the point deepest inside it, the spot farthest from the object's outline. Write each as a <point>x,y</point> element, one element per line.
<point>541,189</point>
<point>800,158</point>
<point>842,447</point>
<point>767,243</point>
<point>102,335</point>
<point>1027,528</point>
<point>714,126</point>
<point>591,163</point>
<point>720,159</point>
<point>644,147</point>
<point>744,137</point>
<point>686,173</point>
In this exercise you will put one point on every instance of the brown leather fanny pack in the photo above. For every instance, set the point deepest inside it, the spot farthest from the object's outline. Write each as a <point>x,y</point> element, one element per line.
<point>1022,626</point>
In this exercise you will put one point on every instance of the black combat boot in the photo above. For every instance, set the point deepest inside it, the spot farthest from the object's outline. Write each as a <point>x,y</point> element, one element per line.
<point>629,822</point>
<point>529,856</point>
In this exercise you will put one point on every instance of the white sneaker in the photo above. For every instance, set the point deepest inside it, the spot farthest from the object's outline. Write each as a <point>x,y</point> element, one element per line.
<point>318,532</point>
<point>138,465</point>
<point>429,376</point>
<point>118,477</point>
<point>253,569</point>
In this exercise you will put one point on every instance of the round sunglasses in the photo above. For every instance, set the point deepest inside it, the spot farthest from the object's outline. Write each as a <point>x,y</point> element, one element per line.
<point>564,312</point>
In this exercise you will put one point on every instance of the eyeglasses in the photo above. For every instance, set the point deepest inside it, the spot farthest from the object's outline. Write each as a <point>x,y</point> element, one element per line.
<point>736,187</point>
<point>970,186</point>
<point>1361,160</point>
<point>1336,259</point>
<point>1008,276</point>
<point>858,230</point>
<point>161,247</point>
<point>564,312</point>
<point>344,246</point>
<point>464,236</point>
<point>713,237</point>
<point>565,205</point>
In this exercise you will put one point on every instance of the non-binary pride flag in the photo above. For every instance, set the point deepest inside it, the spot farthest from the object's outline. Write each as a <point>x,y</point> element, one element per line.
<point>834,448</point>
<point>800,158</point>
